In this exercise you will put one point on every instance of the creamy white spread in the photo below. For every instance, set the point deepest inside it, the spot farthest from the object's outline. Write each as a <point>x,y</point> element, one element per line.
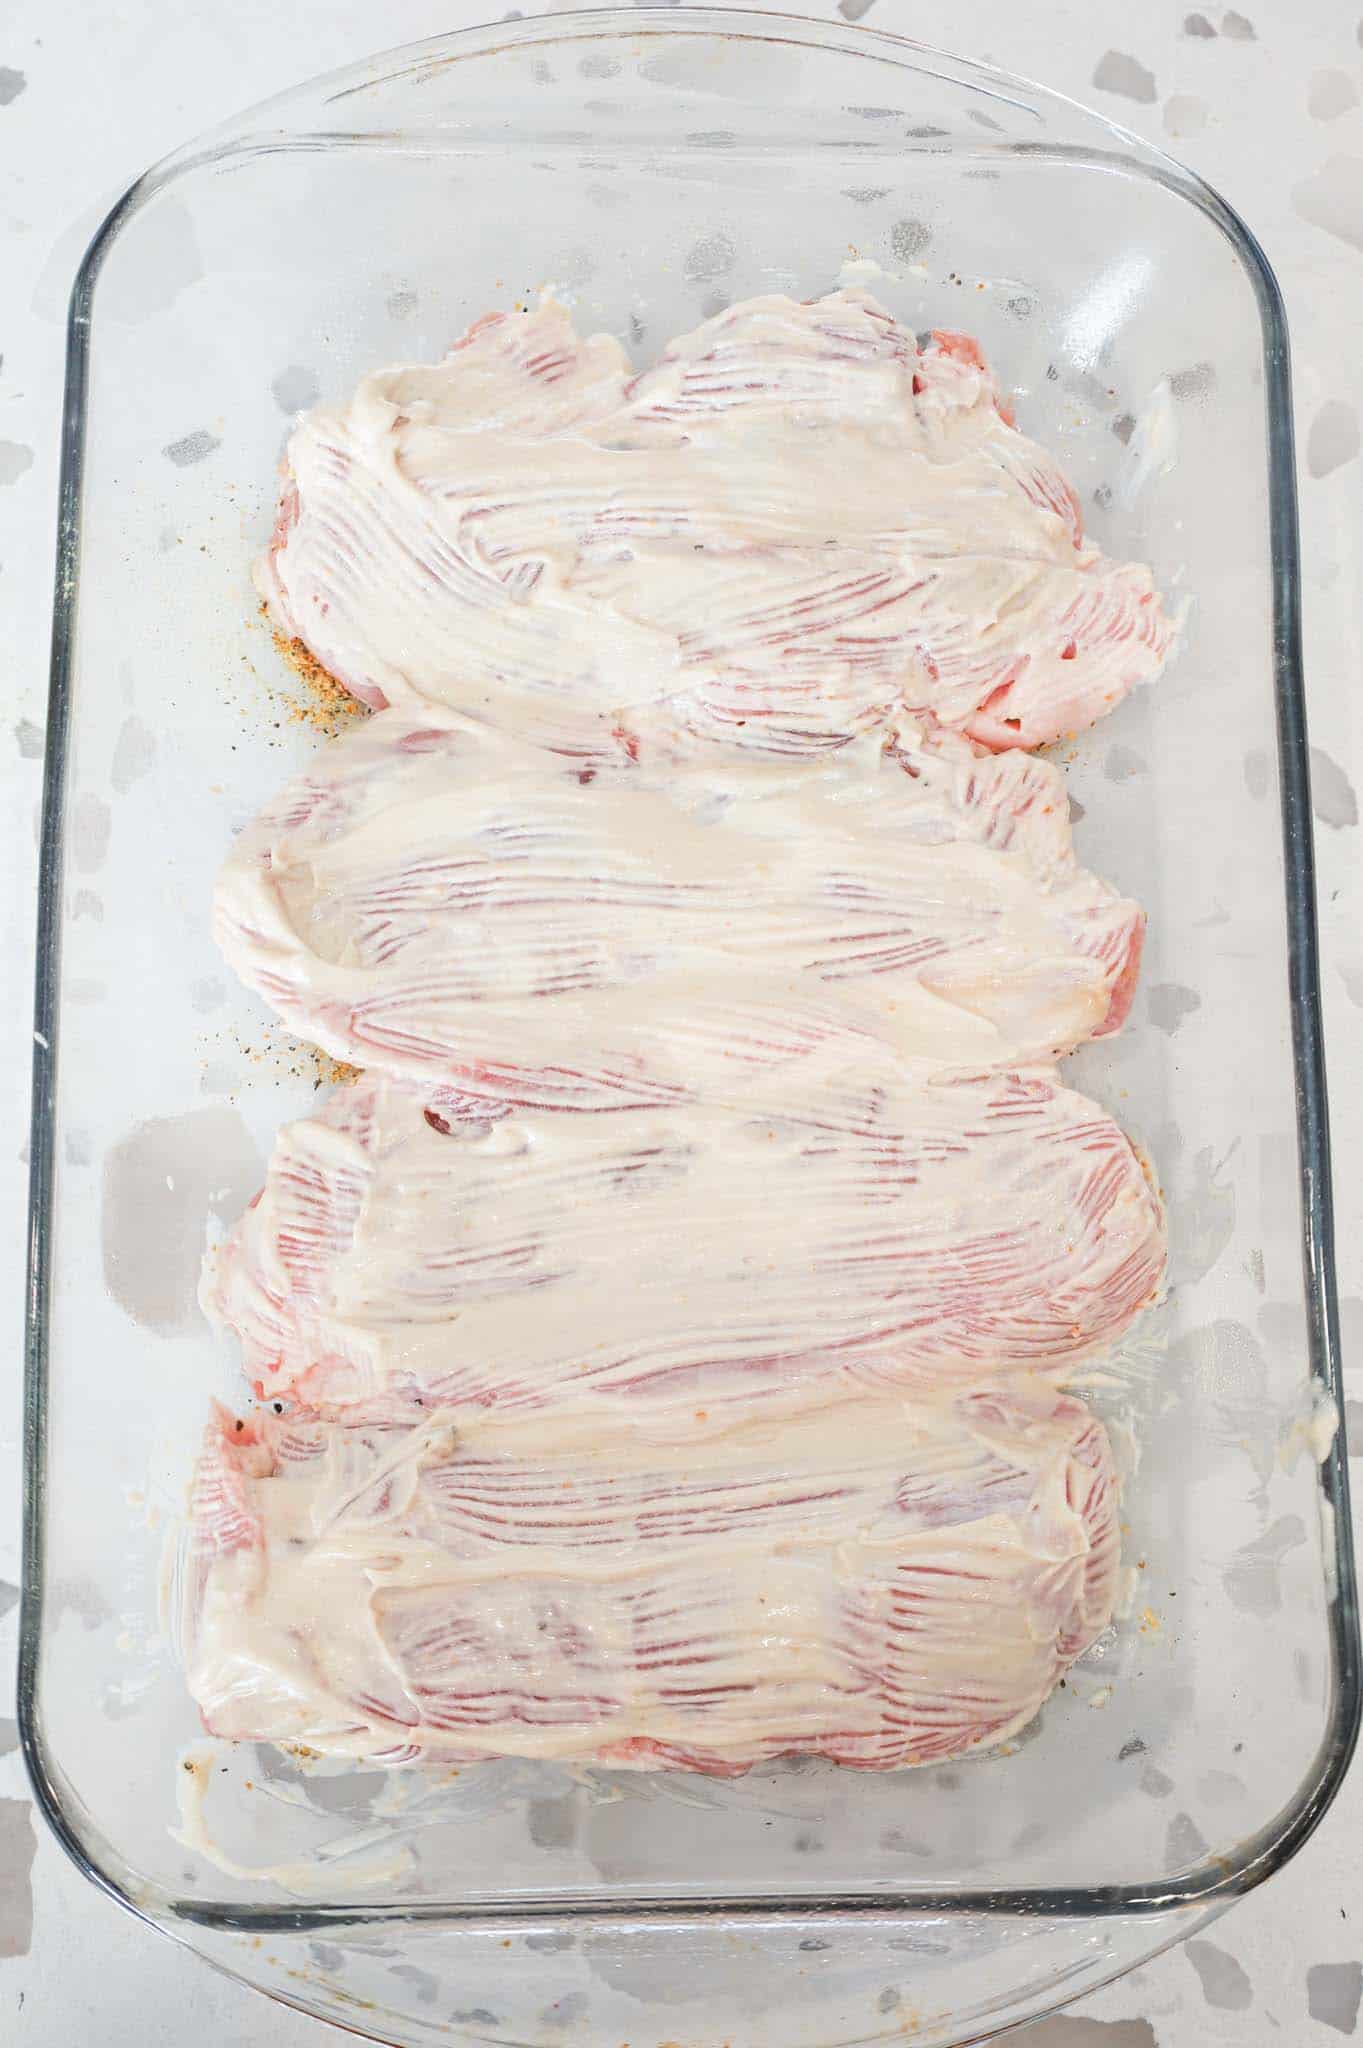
<point>874,1583</point>
<point>879,1231</point>
<point>665,1334</point>
<point>459,907</point>
<point>794,527</point>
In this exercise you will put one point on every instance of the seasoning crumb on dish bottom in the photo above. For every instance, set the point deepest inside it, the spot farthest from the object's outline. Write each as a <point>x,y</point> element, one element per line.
<point>664,1340</point>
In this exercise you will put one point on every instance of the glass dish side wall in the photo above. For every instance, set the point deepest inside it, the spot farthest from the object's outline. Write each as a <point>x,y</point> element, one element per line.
<point>652,173</point>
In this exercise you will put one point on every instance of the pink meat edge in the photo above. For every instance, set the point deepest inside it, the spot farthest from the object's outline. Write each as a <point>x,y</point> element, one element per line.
<point>269,584</point>
<point>1124,986</point>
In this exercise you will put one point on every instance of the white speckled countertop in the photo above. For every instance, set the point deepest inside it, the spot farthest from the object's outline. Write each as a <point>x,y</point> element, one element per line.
<point>1268,105</point>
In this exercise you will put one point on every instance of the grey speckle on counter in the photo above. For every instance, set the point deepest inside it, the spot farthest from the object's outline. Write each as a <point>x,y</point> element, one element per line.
<point>552,1823</point>
<point>1332,198</point>
<point>1333,439</point>
<point>1332,794</point>
<point>1194,382</point>
<point>1169,1002</point>
<point>17,1845</point>
<point>12,84</point>
<point>210,993</point>
<point>1333,1994</point>
<point>91,824</point>
<point>1252,1574</point>
<point>711,257</point>
<point>29,740</point>
<point>1351,974</point>
<point>1185,114</point>
<point>134,754</point>
<point>16,458</point>
<point>1067,2030</point>
<point>423,1982</point>
<point>191,448</point>
<point>82,1598</point>
<point>295,389</point>
<point>161,1183</point>
<point>1116,72</point>
<point>1201,1225</point>
<point>1258,772</point>
<point>1332,93</point>
<point>908,240</point>
<point>1223,1981</point>
<point>1184,1844</point>
<point>1124,763</point>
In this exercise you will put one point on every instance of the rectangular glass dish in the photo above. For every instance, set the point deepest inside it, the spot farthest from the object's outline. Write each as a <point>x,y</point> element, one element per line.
<point>653,168</point>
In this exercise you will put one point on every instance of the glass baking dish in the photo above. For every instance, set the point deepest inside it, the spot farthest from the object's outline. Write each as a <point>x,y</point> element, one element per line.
<point>654,166</point>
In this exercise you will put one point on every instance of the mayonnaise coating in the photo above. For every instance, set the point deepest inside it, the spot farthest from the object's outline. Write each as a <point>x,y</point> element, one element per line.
<point>793,528</point>
<point>459,908</point>
<point>878,1583</point>
<point>876,1233</point>
<point>664,1340</point>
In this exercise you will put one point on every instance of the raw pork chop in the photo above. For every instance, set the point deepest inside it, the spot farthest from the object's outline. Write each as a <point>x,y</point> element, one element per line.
<point>871,1232</point>
<point>878,1583</point>
<point>795,527</point>
<point>460,909</point>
